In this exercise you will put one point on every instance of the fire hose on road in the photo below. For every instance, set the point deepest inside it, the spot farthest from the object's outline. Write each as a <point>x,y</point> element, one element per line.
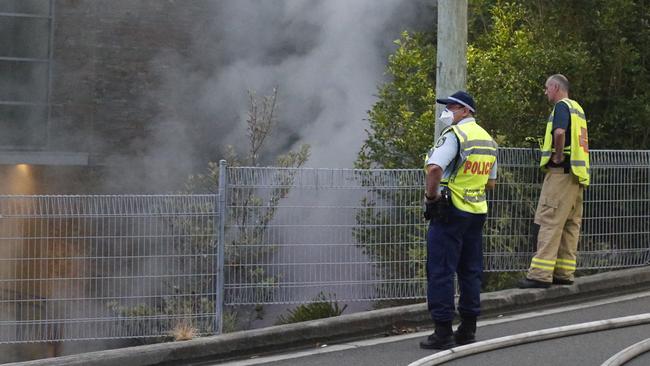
<point>542,335</point>
<point>628,354</point>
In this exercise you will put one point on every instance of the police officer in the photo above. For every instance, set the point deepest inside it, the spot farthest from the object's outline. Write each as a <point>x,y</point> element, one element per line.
<point>565,159</point>
<point>463,163</point>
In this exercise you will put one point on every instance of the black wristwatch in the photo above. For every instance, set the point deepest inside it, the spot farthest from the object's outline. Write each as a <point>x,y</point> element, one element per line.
<point>429,198</point>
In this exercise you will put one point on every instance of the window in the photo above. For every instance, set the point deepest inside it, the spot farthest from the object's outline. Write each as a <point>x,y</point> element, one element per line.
<point>26,31</point>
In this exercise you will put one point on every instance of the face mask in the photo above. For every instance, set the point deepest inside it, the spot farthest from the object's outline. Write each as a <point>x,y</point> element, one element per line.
<point>446,117</point>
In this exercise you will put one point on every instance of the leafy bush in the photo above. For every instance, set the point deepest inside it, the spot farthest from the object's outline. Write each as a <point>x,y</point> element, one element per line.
<point>322,307</point>
<point>600,45</point>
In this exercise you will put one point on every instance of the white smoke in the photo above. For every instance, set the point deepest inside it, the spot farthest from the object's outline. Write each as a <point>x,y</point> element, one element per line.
<point>326,58</point>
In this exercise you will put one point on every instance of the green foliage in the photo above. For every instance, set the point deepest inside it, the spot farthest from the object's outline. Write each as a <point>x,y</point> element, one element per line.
<point>507,68</point>
<point>602,46</point>
<point>230,320</point>
<point>402,121</point>
<point>137,319</point>
<point>322,307</point>
<point>494,281</point>
<point>402,125</point>
<point>396,249</point>
<point>504,237</point>
<point>617,100</point>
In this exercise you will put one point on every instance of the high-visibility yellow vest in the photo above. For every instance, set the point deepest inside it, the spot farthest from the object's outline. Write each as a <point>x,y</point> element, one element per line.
<point>478,153</point>
<point>579,150</point>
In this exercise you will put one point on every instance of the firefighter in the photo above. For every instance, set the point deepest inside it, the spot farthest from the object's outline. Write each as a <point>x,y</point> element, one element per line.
<point>565,159</point>
<point>459,169</point>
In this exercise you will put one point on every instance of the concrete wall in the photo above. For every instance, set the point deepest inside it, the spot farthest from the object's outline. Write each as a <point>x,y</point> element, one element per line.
<point>104,80</point>
<point>106,73</point>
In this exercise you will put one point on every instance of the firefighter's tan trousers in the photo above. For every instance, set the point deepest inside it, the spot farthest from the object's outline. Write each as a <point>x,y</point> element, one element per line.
<point>559,215</point>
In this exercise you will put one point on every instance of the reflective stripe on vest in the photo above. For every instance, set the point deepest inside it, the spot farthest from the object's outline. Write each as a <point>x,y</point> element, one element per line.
<point>478,153</point>
<point>579,148</point>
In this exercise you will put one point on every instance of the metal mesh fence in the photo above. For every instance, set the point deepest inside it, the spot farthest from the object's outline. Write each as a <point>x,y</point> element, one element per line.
<point>97,267</point>
<point>615,231</point>
<point>342,232</point>
<point>90,267</point>
<point>358,234</point>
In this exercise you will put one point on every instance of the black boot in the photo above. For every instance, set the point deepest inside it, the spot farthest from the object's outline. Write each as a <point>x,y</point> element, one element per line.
<point>466,332</point>
<point>562,281</point>
<point>440,339</point>
<point>528,283</point>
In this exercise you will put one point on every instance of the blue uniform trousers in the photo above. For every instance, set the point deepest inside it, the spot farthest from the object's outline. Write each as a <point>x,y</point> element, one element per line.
<point>455,247</point>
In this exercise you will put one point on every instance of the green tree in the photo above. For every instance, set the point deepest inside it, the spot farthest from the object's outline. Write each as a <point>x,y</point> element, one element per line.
<point>601,46</point>
<point>507,68</point>
<point>403,119</point>
<point>402,124</point>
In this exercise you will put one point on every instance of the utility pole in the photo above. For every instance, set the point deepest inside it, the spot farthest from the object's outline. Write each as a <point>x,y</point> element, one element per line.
<point>451,58</point>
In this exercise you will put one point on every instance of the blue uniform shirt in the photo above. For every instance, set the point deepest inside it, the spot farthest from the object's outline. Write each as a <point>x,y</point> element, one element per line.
<point>561,119</point>
<point>446,150</point>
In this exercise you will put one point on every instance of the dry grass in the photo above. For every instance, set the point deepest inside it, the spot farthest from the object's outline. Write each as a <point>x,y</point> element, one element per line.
<point>183,331</point>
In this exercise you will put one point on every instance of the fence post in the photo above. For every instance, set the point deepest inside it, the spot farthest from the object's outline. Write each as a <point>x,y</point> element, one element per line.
<point>221,245</point>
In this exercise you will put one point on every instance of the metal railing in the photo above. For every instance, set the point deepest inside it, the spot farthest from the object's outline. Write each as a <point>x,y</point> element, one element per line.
<point>97,267</point>
<point>91,267</point>
<point>359,233</point>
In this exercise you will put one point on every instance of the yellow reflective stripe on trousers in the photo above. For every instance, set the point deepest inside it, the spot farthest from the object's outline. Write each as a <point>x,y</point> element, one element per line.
<point>570,268</point>
<point>545,264</point>
<point>569,264</point>
<point>544,261</point>
<point>547,268</point>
